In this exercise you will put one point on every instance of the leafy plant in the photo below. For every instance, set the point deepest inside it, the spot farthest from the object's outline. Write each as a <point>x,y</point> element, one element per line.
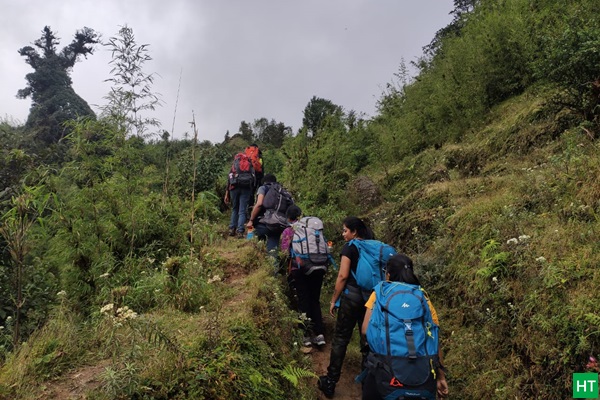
<point>293,373</point>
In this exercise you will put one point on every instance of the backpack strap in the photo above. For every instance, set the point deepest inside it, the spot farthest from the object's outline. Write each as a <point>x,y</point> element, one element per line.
<point>410,339</point>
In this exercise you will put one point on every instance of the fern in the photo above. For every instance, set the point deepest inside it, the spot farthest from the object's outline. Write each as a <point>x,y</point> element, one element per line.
<point>593,319</point>
<point>155,336</point>
<point>293,374</point>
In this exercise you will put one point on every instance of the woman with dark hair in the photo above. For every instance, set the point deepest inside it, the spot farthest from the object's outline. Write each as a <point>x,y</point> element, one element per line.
<point>349,302</point>
<point>399,269</point>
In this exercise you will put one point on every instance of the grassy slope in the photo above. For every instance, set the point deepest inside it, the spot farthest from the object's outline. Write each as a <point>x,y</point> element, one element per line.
<point>504,228</point>
<point>241,342</point>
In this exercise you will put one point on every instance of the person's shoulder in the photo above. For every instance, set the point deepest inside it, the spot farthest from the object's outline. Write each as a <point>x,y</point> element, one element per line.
<point>348,248</point>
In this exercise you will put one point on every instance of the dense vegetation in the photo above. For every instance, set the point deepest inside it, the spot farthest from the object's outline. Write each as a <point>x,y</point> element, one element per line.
<point>483,168</point>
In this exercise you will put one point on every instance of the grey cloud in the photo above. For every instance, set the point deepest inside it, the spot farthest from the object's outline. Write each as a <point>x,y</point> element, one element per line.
<point>240,60</point>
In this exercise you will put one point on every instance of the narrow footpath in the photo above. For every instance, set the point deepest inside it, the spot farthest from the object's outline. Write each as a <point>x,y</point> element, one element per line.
<point>346,389</point>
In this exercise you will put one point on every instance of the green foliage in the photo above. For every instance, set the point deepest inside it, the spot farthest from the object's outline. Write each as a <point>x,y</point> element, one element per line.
<point>131,96</point>
<point>209,168</point>
<point>483,168</point>
<point>336,155</point>
<point>316,112</point>
<point>569,56</point>
<point>18,230</point>
<point>52,350</point>
<point>293,374</point>
<point>494,261</point>
<point>270,133</point>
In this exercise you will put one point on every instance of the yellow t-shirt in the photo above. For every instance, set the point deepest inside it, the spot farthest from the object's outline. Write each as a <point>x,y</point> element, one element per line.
<point>369,304</point>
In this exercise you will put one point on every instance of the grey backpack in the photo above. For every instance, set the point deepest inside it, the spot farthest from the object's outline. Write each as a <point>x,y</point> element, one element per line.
<point>309,246</point>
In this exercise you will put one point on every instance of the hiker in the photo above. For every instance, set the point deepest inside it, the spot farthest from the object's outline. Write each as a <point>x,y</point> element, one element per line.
<point>254,153</point>
<point>268,214</point>
<point>307,282</point>
<point>349,302</point>
<point>411,360</point>
<point>240,185</point>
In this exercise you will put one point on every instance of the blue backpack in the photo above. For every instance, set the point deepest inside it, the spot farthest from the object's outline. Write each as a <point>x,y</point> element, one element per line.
<point>403,342</point>
<point>373,255</point>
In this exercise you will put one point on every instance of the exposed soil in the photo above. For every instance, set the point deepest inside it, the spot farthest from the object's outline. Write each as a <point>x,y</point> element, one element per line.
<point>74,385</point>
<point>346,388</point>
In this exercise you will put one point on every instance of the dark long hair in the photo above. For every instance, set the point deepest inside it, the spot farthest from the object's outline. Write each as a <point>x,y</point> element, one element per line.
<point>357,225</point>
<point>400,268</point>
<point>293,212</point>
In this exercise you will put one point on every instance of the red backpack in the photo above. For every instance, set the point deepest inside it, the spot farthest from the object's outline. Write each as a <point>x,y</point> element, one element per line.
<point>242,171</point>
<point>255,155</point>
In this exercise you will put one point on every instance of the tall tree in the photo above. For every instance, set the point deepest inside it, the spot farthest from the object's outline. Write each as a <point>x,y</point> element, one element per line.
<point>316,112</point>
<point>131,95</point>
<point>53,99</point>
<point>246,131</point>
<point>270,132</point>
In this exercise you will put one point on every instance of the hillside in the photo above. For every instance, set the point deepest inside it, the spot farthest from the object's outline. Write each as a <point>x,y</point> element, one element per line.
<point>115,270</point>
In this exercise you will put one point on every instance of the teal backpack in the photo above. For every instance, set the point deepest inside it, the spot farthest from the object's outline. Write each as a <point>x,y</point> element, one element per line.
<point>373,255</point>
<point>403,342</point>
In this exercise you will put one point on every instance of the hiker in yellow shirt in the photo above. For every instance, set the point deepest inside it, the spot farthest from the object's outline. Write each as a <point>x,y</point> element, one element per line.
<point>400,269</point>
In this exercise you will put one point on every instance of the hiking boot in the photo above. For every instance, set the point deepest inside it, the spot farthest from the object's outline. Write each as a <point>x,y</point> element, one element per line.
<point>319,340</point>
<point>231,231</point>
<point>306,342</point>
<point>240,235</point>
<point>327,386</point>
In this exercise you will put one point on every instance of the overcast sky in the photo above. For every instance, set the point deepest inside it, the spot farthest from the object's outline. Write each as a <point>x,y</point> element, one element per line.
<point>237,59</point>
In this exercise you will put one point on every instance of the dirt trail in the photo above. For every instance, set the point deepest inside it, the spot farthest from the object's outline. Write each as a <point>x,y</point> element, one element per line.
<point>346,389</point>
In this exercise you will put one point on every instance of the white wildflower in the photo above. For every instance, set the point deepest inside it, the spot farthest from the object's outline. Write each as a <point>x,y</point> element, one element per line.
<point>512,241</point>
<point>541,259</point>
<point>104,275</point>
<point>215,278</point>
<point>61,293</point>
<point>524,238</point>
<point>495,279</point>
<point>107,308</point>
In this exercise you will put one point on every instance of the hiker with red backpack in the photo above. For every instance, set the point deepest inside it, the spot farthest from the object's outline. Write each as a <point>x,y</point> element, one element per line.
<point>401,328</point>
<point>240,186</point>
<point>255,155</point>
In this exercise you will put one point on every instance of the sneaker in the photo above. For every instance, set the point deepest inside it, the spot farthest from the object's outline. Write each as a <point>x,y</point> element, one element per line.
<point>240,235</point>
<point>306,342</point>
<point>231,231</point>
<point>319,340</point>
<point>327,386</point>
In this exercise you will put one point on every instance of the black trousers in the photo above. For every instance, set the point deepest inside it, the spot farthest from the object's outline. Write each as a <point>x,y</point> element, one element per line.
<point>350,314</point>
<point>308,290</point>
